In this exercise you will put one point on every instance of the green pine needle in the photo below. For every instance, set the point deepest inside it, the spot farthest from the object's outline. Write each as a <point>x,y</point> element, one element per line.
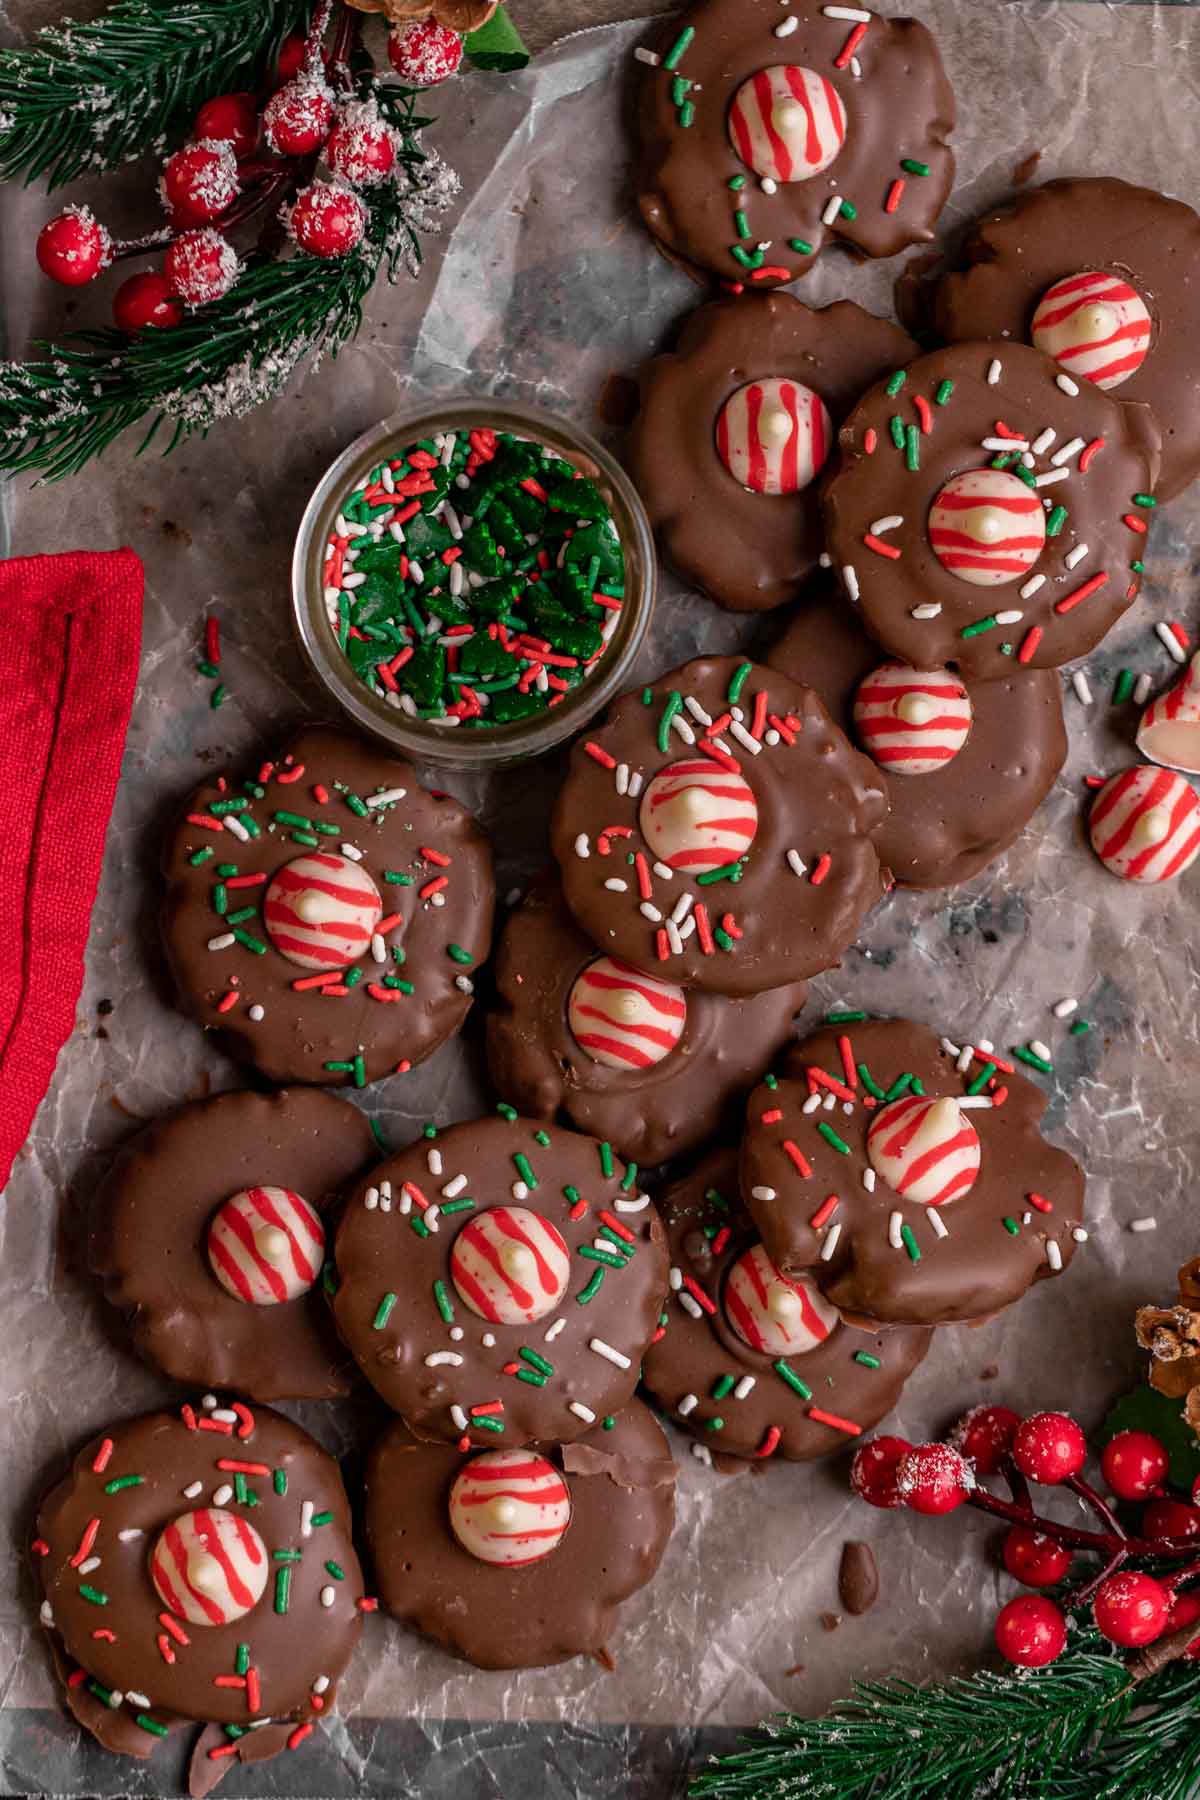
<point>1079,1730</point>
<point>83,98</point>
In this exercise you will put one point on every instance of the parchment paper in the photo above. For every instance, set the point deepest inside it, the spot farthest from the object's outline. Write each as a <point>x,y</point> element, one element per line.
<point>546,288</point>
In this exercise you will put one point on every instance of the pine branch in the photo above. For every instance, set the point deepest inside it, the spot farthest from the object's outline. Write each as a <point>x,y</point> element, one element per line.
<point>87,97</point>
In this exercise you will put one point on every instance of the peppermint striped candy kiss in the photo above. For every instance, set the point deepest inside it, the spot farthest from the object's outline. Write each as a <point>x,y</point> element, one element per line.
<point>787,123</point>
<point>926,1150</point>
<point>987,527</point>
<point>265,1245</point>
<point>321,911</point>
<point>1095,325</point>
<point>1169,732</point>
<point>1145,825</point>
<point>510,1265</point>
<point>912,721</point>
<point>622,1018</point>
<point>209,1567</point>
<point>509,1507</point>
<point>698,816</point>
<point>773,1315</point>
<point>774,435</point>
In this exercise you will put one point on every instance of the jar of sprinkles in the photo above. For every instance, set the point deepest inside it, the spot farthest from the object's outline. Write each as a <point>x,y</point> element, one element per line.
<point>472,583</point>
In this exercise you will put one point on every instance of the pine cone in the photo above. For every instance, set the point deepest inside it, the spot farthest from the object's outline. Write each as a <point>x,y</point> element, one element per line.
<point>1172,1336</point>
<point>459,15</point>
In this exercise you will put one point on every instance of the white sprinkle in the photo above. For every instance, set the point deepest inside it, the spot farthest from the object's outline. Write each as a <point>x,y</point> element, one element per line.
<point>1167,636</point>
<point>328,1596</point>
<point>696,710</point>
<point>796,863</point>
<point>1012,617</point>
<point>1080,1235</point>
<point>825,561</point>
<point>1049,476</point>
<point>615,885</point>
<point>854,14</point>
<point>353,581</point>
<point>832,209</point>
<point>744,739</point>
<point>1053,1255</point>
<point>891,523</point>
<point>616,1357</point>
<point>1064,1008</point>
<point>642,55</point>
<point>937,1222</point>
<point>415,572</point>
<point>581,1411</point>
<point>464,984</point>
<point>868,1180</point>
<point>1083,690</point>
<point>549,1336</point>
<point>1149,1224</point>
<point>985,1044</point>
<point>378,947</point>
<point>1141,688</point>
<point>46,1614</point>
<point>115,1698</point>
<point>622,778</point>
<point>443,1358</point>
<point>999,443</point>
<point>1027,1218</point>
<point>949,1048</point>
<point>771,737</point>
<point>1075,556</point>
<point>894,1238</point>
<point>680,724</point>
<point>456,1334</point>
<point>582,847</point>
<point>224,942</point>
<point>454,1188</point>
<point>385,1196</point>
<point>648,911</point>
<point>1032,585</point>
<point>966,1058</point>
<point>812,1104</point>
<point>768,186</point>
<point>192,1489</point>
<point>371,1199</point>
<point>635,784</point>
<point>762,1193</point>
<point>639,1203</point>
<point>92,1562</point>
<point>1070,449</point>
<point>675,1280</point>
<point>321,1684</point>
<point>829,1242</point>
<point>856,68</point>
<point>458,1418</point>
<point>976,1101</point>
<point>306,1516</point>
<point>1043,441</point>
<point>687,1405</point>
<point>1067,385</point>
<point>702,1454</point>
<point>829,1102</point>
<point>225,1416</point>
<point>238,829</point>
<point>136,1699</point>
<point>995,370</point>
<point>208,1402</point>
<point>929,609</point>
<point>433,1161</point>
<point>404,1204</point>
<point>663,872</point>
<point>787,27</point>
<point>130,1533</point>
<point>352,851</point>
<point>396,532</point>
<point>222,1494</point>
<point>452,519</point>
<point>683,907</point>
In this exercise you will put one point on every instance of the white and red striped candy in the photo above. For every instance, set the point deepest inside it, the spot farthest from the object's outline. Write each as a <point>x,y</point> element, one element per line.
<point>510,1507</point>
<point>209,1567</point>
<point>912,721</point>
<point>987,527</point>
<point>787,123</point>
<point>772,1314</point>
<point>321,910</point>
<point>774,435</point>
<point>926,1150</point>
<point>265,1245</point>
<point>622,1018</point>
<point>1094,325</point>
<point>1169,732</point>
<point>1145,825</point>
<point>698,816</point>
<point>510,1265</point>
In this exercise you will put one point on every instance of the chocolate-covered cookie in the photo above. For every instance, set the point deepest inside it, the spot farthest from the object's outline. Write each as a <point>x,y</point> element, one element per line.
<point>715,830</point>
<point>913,1183</point>
<point>987,510</point>
<point>751,1362</point>
<point>209,1234</point>
<point>516,1558</point>
<point>326,914</point>
<point>198,1565</point>
<point>734,426</point>
<point>1105,277</point>
<point>654,1068</point>
<point>498,1282</point>
<point>965,763</point>
<point>764,132</point>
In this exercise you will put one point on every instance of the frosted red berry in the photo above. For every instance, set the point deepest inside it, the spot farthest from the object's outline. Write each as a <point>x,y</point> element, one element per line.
<point>297,119</point>
<point>1035,1558</point>
<point>230,119</point>
<point>932,1479</point>
<point>1131,1609</point>
<point>327,220</point>
<point>1185,1610</point>
<point>200,266</point>
<point>1134,1464</point>
<point>200,181</point>
<point>985,1436</point>
<point>873,1471</point>
<point>425,53</point>
<point>1171,1519</point>
<point>1049,1447</point>
<point>1031,1631</point>
<point>74,247</point>
<point>145,303</point>
<point>361,149</point>
<point>291,57</point>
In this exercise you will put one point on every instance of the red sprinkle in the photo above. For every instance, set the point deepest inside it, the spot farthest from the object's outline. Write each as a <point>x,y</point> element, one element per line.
<point>645,886</point>
<point>221,1426</point>
<point>245,1418</point>
<point>304,982</point>
<point>788,736</point>
<point>697,1292</point>
<point>1135,524</point>
<point>414,1193</point>
<point>431,888</point>
<point>825,1211</point>
<point>721,1239</point>
<point>188,1417</point>
<point>490,1406</point>
<point>103,1457</point>
<point>76,1677</point>
<point>212,639</point>
<point>759,721</point>
<point>870,440</point>
<point>435,856</point>
<point>1179,634</point>
<point>287,776</point>
<point>719,756</point>
<point>601,756</point>
<point>407,512</point>
<point>1029,643</point>
<point>798,1158</point>
<point>827,1418</point>
<point>535,488</point>
<point>164,1647</point>
<point>850,46</point>
<point>227,1001</point>
<point>229,1681</point>
<point>893,198</point>
<point>847,1054</point>
<point>176,1631</point>
<point>241,881</point>
<point>662,944</point>
<point>368,1603</point>
<point>205,821</point>
<point>773,1116</point>
<point>703,929</point>
<point>1070,601</point>
<point>999,1096</point>
<point>730,925</point>
<point>242,1468</point>
<point>770,1441</point>
<point>40,1547</point>
<point>924,413</point>
<point>220,1750</point>
<point>1040,1203</point>
<point>771,272</point>
<point>1089,453</point>
<point>105,1635</point>
<point>824,864</point>
<point>818,1078</point>
<point>880,548</point>
<point>614,1224</point>
<point>578,1210</point>
<point>85,1543</point>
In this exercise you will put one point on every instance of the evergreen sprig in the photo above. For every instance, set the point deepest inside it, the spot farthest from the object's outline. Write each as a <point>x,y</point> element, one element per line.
<point>1078,1730</point>
<point>83,98</point>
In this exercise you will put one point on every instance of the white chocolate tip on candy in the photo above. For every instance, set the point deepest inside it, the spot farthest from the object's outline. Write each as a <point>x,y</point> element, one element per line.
<point>914,709</point>
<point>1154,827</point>
<point>776,425</point>
<point>272,1244</point>
<point>518,1262</point>
<point>204,1572</point>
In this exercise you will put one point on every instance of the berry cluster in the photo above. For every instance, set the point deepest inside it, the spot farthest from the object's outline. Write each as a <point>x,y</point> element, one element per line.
<point>1131,1607</point>
<point>246,154</point>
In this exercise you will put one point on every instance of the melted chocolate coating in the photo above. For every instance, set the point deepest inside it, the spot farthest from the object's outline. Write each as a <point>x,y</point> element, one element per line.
<point>748,550</point>
<point>862,486</point>
<point>945,826</point>
<point>902,106</point>
<point>816,796</point>
<point>290,1650</point>
<point>305,1031</point>
<point>694,1354</point>
<point>1067,228</point>
<point>981,1265</point>
<point>149,1231</point>
<point>381,1253</point>
<point>646,1114</point>
<point>622,1486</point>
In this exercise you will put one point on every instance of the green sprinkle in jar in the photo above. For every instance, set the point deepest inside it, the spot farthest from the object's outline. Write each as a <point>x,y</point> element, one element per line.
<point>472,582</point>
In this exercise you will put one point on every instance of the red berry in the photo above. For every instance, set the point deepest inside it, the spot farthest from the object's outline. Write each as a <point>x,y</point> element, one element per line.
<point>1031,1631</point>
<point>1049,1447</point>
<point>1131,1609</point>
<point>1134,1464</point>
<point>232,119</point>
<point>932,1479</point>
<point>361,148</point>
<point>425,52</point>
<point>327,220</point>
<point>985,1436</point>
<point>74,247</point>
<point>297,119</point>
<point>1035,1558</point>
<point>1170,1519</point>
<point>291,57</point>
<point>200,266</point>
<point>200,181</point>
<point>873,1471</point>
<point>1185,1610</point>
<point>145,302</point>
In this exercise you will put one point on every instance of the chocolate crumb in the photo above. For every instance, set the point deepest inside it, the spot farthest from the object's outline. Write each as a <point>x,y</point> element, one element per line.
<point>796,1669</point>
<point>858,1578</point>
<point>990,1373</point>
<point>104,1007</point>
<point>830,1621</point>
<point>1024,170</point>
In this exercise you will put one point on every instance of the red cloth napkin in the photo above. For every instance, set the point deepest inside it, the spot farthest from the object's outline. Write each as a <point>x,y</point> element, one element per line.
<point>70,630</point>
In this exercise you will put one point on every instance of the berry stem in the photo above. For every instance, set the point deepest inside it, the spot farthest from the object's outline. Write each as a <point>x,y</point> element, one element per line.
<point>1088,1591</point>
<point>344,39</point>
<point>1100,1506</point>
<point>1104,1543</point>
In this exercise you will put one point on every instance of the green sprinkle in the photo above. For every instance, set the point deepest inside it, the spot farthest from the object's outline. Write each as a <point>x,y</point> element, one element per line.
<point>442,1300</point>
<point>771,1081</point>
<point>290,1556</point>
<point>847,211</point>
<point>535,1361</point>
<point>92,1594</point>
<point>1033,1061</point>
<point>981,1080</point>
<point>606,1424</point>
<point>1138,568</point>
<point>737,183</point>
<point>845,1018</point>
<point>150,1725</point>
<point>234,1731</point>
<point>250,943</point>
<point>1123,687</point>
<point>679,90</point>
<point>338,1068</point>
<point>279,1483</point>
<point>675,54</point>
<point>869,1082</point>
<point>358,807</point>
<point>722,1386</point>
<point>629,1177</point>
<point>457,1206</point>
<point>224,869</point>
<point>377,1133</point>
<point>624,1250</point>
<point>199,856</point>
<point>322,1518</point>
<point>219,898</point>
<point>206,668</point>
<point>741,224</point>
<point>801,246</point>
<point>917,1087</point>
<point>895,383</point>
<point>419,1226</point>
<point>305,837</point>
<point>592,1288</point>
<point>912,448</point>
<point>572,1194</point>
<point>1011,1226</point>
<point>243,1493</point>
<point>542,1138</point>
<point>591,1254</point>
<point>727,872</point>
<point>329,1286</point>
<point>283,1587</point>
<point>457,954</point>
<point>896,427</point>
<point>1056,520</point>
<point>831,1137</point>
<point>674,705</point>
<point>867,1360</point>
<point>738,680</point>
<point>241,915</point>
<point>900,1086</point>
<point>242,1659</point>
<point>336,1570</point>
<point>522,1165</point>
<point>1144,500</point>
<point>219,808</point>
<point>383,1312</point>
<point>793,1380</point>
<point>123,1481</point>
<point>714,1424</point>
<point>647,696</point>
<point>944,391</point>
<point>910,1243</point>
<point>606,1161</point>
<point>687,115</point>
<point>912,167</point>
<point>980,626</point>
<point>360,1071</point>
<point>218,694</point>
<point>722,937</point>
<point>398,878</point>
<point>1080,1027</point>
<point>485,1422</point>
<point>506,1111</point>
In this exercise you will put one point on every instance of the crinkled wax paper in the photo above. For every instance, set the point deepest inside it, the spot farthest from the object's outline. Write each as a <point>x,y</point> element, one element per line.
<point>547,287</point>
